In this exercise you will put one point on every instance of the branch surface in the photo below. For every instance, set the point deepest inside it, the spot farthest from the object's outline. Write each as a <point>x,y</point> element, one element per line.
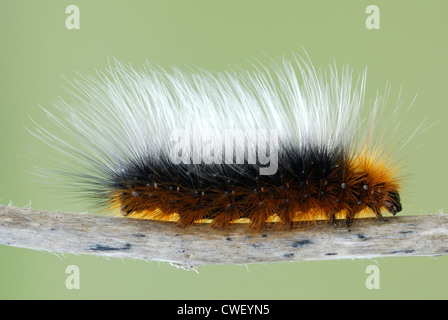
<point>199,244</point>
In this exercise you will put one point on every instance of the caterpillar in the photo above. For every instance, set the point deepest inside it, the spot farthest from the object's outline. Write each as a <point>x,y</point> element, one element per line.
<point>277,143</point>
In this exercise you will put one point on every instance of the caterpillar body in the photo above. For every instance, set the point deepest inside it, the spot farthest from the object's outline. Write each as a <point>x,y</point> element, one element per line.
<point>120,147</point>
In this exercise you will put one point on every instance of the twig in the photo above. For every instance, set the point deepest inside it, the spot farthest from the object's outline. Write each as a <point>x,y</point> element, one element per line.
<point>200,245</point>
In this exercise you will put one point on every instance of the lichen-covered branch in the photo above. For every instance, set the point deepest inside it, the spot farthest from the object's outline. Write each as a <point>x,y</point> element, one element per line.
<point>76,233</point>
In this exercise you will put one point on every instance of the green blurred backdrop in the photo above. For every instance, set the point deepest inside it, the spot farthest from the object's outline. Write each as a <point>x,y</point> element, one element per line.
<point>409,50</point>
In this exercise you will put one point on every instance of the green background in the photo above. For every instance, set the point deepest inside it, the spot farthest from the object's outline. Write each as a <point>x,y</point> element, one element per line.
<point>409,50</point>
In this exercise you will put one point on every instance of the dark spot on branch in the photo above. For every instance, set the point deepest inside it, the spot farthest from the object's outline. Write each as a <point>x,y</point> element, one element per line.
<point>301,243</point>
<point>99,247</point>
<point>401,251</point>
<point>139,235</point>
<point>288,255</point>
<point>331,254</point>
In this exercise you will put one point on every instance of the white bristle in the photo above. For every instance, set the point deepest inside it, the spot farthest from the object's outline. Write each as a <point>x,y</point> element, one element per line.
<point>126,114</point>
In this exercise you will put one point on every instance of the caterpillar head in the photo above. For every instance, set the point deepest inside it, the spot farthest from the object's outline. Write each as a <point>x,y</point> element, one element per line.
<point>392,202</point>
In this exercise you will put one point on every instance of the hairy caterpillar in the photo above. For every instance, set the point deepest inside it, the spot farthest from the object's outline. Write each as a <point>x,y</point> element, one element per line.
<point>123,151</point>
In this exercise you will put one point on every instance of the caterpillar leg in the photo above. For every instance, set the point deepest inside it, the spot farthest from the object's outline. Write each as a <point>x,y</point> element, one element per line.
<point>379,215</point>
<point>348,218</point>
<point>332,217</point>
